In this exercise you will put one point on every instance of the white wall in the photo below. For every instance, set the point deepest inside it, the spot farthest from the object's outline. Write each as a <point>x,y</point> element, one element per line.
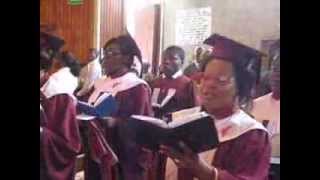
<point>247,21</point>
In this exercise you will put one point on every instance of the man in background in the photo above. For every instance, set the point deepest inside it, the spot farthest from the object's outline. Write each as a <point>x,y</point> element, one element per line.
<point>90,72</point>
<point>195,65</point>
<point>171,92</point>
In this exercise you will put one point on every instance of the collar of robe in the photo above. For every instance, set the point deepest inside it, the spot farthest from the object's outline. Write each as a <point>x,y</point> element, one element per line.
<point>235,125</point>
<point>113,86</point>
<point>156,93</point>
<point>175,75</point>
<point>60,82</point>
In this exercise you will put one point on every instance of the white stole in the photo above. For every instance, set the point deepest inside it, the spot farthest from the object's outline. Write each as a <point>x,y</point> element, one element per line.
<point>113,86</point>
<point>171,92</point>
<point>155,95</point>
<point>60,82</point>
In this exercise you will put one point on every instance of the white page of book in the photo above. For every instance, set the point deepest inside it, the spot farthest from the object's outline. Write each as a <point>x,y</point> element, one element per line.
<point>187,119</point>
<point>185,112</point>
<point>84,117</point>
<point>152,120</point>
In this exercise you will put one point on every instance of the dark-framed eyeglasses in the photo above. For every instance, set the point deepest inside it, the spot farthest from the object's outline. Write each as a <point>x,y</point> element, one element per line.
<point>110,53</point>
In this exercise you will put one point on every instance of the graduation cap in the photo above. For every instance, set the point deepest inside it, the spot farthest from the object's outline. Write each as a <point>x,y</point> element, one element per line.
<point>228,49</point>
<point>245,57</point>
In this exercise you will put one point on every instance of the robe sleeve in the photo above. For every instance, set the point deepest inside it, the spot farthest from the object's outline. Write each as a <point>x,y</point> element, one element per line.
<point>60,137</point>
<point>252,160</point>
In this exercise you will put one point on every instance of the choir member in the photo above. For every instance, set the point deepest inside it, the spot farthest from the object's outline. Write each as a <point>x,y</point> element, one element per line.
<point>174,88</point>
<point>90,72</point>
<point>244,148</point>
<point>133,96</point>
<point>60,138</point>
<point>49,46</point>
<point>266,109</point>
<point>194,67</point>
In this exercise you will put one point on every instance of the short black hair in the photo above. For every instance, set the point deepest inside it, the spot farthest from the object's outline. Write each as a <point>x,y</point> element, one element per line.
<point>45,60</point>
<point>178,50</point>
<point>128,47</point>
<point>68,60</point>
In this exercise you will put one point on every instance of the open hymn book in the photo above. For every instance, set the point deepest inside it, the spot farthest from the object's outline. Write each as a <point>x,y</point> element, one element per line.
<point>103,107</point>
<point>193,127</point>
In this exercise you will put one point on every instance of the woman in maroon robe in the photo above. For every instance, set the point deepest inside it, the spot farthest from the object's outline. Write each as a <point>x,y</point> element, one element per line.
<point>244,149</point>
<point>60,138</point>
<point>133,95</point>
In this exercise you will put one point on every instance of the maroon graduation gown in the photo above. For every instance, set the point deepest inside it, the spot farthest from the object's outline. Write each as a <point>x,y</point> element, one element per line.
<point>60,140</point>
<point>134,163</point>
<point>183,99</point>
<point>244,158</point>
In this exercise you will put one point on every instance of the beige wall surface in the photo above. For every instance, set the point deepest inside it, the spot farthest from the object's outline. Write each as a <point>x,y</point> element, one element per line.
<point>247,21</point>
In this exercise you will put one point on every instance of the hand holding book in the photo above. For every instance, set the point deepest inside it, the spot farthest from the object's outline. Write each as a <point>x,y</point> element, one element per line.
<point>104,106</point>
<point>197,130</point>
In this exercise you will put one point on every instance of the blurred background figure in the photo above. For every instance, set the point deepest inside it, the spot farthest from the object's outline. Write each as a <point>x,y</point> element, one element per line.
<point>60,138</point>
<point>195,65</point>
<point>90,72</point>
<point>266,109</point>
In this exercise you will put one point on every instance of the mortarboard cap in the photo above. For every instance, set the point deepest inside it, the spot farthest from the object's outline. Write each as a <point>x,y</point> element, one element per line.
<point>228,49</point>
<point>244,57</point>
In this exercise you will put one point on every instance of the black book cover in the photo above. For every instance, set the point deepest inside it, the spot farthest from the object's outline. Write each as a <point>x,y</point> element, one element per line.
<point>197,131</point>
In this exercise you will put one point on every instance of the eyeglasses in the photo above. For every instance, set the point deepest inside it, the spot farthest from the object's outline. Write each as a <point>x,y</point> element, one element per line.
<point>110,53</point>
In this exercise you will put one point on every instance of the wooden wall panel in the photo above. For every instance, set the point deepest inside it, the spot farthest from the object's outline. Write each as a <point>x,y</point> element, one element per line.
<point>112,19</point>
<point>74,23</point>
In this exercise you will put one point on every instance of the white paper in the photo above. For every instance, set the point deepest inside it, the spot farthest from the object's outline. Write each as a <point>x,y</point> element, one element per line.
<point>185,112</point>
<point>151,120</point>
<point>84,117</point>
<point>189,118</point>
<point>193,25</point>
